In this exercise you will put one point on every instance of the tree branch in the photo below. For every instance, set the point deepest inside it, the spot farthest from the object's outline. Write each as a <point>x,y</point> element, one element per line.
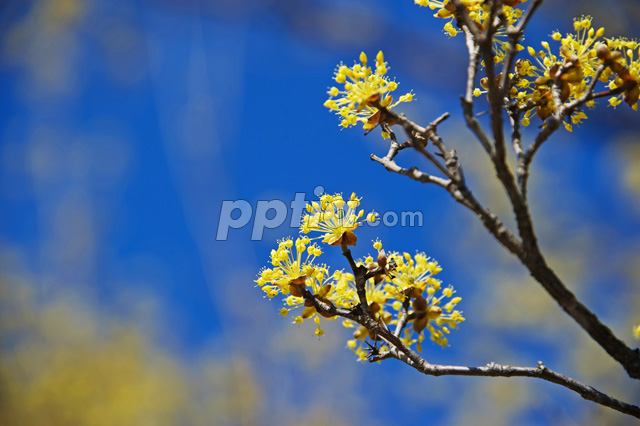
<point>412,172</point>
<point>467,100</point>
<point>362,315</point>
<point>405,354</point>
<point>526,249</point>
<point>616,348</point>
<point>541,372</point>
<point>458,190</point>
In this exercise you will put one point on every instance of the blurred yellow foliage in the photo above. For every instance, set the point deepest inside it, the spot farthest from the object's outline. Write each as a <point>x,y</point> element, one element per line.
<point>64,363</point>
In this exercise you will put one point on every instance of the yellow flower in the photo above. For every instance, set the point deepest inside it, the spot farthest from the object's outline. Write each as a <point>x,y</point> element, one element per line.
<point>413,279</point>
<point>411,289</point>
<point>437,319</point>
<point>289,267</point>
<point>479,14</point>
<point>411,276</point>
<point>334,218</point>
<point>294,274</point>
<point>573,68</point>
<point>624,70</point>
<point>363,90</point>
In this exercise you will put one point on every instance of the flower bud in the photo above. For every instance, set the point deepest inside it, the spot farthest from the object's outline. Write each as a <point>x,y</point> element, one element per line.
<point>603,52</point>
<point>450,6</point>
<point>363,59</point>
<point>382,259</point>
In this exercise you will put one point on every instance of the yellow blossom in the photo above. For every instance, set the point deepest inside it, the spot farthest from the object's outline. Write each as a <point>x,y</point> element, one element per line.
<point>432,307</point>
<point>363,90</point>
<point>479,14</point>
<point>291,266</point>
<point>412,275</point>
<point>624,69</point>
<point>571,67</point>
<point>398,284</point>
<point>335,219</point>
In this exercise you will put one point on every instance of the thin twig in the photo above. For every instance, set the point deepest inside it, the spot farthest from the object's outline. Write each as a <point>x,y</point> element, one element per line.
<point>464,20</point>
<point>494,93</point>
<point>541,372</point>
<point>496,151</point>
<point>359,276</point>
<point>515,34</point>
<point>467,100</point>
<point>403,319</point>
<point>412,172</point>
<point>460,193</point>
<point>516,139</point>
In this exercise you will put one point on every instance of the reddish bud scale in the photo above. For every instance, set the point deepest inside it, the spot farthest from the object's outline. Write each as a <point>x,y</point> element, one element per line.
<point>382,259</point>
<point>348,238</point>
<point>296,289</point>
<point>420,304</point>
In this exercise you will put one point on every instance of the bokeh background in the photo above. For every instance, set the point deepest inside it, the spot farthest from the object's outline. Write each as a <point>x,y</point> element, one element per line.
<point>124,126</point>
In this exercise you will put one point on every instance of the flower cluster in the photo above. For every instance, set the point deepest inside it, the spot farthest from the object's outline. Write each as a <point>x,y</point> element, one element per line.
<point>410,289</point>
<point>572,70</point>
<point>291,265</point>
<point>294,272</point>
<point>623,69</point>
<point>333,221</point>
<point>478,11</point>
<point>363,91</point>
<point>400,288</point>
<point>413,280</point>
